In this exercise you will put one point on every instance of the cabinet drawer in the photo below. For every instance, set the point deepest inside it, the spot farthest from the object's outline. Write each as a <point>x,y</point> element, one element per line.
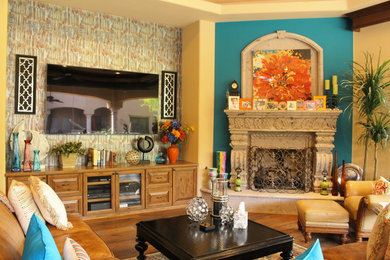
<point>73,205</point>
<point>158,197</point>
<point>66,185</point>
<point>156,178</point>
<point>23,179</point>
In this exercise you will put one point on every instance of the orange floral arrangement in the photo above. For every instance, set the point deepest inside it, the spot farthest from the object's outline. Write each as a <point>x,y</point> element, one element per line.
<point>174,132</point>
<point>283,76</point>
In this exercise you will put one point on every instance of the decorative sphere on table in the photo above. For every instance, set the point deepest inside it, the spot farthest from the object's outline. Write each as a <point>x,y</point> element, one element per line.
<point>133,157</point>
<point>197,209</point>
<point>226,213</point>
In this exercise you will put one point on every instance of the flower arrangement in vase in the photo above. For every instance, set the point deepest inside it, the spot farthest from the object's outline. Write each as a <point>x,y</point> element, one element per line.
<point>68,153</point>
<point>174,132</point>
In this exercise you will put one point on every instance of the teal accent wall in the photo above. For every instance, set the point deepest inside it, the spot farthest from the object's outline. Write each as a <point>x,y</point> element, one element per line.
<point>332,34</point>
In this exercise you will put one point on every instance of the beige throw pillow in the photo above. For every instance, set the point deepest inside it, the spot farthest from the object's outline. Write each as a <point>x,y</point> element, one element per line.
<point>378,241</point>
<point>73,251</point>
<point>50,205</point>
<point>22,201</point>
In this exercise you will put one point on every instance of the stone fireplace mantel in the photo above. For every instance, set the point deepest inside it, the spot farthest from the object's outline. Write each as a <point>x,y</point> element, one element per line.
<point>282,129</point>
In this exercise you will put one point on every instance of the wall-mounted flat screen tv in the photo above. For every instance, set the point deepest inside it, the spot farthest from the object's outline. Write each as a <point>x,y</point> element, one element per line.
<point>99,101</point>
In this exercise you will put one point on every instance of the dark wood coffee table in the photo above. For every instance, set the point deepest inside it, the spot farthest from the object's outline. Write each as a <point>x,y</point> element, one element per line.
<point>178,238</point>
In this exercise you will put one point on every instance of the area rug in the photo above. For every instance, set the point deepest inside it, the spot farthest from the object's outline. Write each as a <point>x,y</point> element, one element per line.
<point>297,250</point>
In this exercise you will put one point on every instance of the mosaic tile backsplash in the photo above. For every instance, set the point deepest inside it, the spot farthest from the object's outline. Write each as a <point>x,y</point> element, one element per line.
<point>66,36</point>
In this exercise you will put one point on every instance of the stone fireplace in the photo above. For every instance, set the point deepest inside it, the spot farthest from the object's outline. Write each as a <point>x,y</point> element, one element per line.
<point>282,150</point>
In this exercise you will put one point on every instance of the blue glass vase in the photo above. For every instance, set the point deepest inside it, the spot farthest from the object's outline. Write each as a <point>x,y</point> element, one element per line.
<point>36,164</point>
<point>160,158</point>
<point>15,167</point>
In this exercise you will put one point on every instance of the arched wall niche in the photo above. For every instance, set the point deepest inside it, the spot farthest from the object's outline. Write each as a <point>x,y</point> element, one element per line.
<point>282,40</point>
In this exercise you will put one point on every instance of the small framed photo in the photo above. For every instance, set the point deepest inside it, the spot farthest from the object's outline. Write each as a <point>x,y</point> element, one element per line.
<point>321,102</point>
<point>300,104</point>
<point>246,103</point>
<point>291,105</point>
<point>234,102</point>
<point>310,105</point>
<point>272,105</point>
<point>282,105</point>
<point>259,104</point>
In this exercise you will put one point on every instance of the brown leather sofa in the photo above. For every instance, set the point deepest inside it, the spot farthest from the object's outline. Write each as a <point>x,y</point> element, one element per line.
<point>359,201</point>
<point>12,237</point>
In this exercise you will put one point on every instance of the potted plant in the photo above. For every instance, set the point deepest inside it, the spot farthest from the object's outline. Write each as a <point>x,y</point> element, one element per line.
<point>368,83</point>
<point>68,153</point>
<point>173,132</point>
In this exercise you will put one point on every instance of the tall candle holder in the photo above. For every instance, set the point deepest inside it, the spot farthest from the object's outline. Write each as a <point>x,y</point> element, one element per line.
<point>219,195</point>
<point>328,99</point>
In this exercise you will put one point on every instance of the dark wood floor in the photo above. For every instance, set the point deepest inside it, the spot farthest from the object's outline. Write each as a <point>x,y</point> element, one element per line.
<point>119,233</point>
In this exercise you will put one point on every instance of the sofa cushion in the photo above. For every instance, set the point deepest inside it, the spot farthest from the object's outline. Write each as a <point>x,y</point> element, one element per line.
<point>323,211</point>
<point>351,204</point>
<point>39,243</point>
<point>22,201</point>
<point>379,237</point>
<point>382,187</point>
<point>85,236</point>
<point>351,251</point>
<point>5,201</point>
<point>73,251</point>
<point>48,202</point>
<point>11,235</point>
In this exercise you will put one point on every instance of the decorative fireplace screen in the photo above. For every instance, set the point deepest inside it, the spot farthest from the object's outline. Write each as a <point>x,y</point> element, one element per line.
<point>281,170</point>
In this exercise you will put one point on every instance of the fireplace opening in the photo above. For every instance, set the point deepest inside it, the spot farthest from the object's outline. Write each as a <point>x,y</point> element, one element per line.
<point>281,170</point>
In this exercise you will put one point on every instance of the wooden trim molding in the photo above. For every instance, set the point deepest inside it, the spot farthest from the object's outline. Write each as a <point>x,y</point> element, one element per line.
<point>372,15</point>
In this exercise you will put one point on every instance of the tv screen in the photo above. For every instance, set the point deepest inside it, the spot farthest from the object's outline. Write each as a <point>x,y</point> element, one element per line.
<point>99,101</point>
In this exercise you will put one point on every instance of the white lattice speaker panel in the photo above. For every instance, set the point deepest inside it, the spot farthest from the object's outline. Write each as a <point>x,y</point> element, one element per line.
<point>25,84</point>
<point>168,95</point>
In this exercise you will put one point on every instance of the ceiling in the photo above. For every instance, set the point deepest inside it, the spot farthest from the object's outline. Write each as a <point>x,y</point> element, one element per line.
<point>180,13</point>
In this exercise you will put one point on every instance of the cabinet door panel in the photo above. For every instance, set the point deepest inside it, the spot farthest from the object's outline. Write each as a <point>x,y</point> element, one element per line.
<point>184,185</point>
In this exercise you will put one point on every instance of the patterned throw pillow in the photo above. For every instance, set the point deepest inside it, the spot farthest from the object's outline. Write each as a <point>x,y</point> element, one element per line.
<point>382,187</point>
<point>19,194</point>
<point>50,205</point>
<point>73,251</point>
<point>379,237</point>
<point>5,201</point>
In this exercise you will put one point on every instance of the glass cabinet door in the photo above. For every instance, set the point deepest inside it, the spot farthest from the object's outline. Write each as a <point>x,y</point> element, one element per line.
<point>130,190</point>
<point>100,192</point>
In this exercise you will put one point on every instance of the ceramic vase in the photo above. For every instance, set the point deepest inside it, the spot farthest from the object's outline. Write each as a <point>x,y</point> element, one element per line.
<point>15,167</point>
<point>36,164</point>
<point>27,157</point>
<point>173,153</point>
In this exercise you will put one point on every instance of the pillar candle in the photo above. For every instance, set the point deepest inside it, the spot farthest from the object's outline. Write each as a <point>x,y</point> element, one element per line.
<point>334,80</point>
<point>327,84</point>
<point>335,89</point>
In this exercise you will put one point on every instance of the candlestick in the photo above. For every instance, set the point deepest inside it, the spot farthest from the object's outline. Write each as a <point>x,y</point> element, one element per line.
<point>335,89</point>
<point>334,80</point>
<point>327,84</point>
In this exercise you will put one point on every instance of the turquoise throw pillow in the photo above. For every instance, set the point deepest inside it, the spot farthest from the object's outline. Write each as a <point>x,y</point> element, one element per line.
<point>313,253</point>
<point>39,243</point>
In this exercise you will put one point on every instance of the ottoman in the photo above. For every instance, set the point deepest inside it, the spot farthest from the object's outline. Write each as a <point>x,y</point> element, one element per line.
<point>322,216</point>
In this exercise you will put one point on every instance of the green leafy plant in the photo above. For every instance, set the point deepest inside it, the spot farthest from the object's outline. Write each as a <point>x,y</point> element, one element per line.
<point>368,83</point>
<point>378,130</point>
<point>68,148</point>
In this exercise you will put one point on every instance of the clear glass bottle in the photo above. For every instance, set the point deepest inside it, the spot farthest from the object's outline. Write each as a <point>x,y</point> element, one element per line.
<point>36,164</point>
<point>27,158</point>
<point>15,166</point>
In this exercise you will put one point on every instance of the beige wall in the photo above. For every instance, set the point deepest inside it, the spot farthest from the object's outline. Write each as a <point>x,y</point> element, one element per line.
<point>198,94</point>
<point>3,80</point>
<point>371,39</point>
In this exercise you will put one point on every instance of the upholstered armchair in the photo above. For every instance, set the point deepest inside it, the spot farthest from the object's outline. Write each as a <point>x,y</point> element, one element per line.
<point>360,202</point>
